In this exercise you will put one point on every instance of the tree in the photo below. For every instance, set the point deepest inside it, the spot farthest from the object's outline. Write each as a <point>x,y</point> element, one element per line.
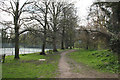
<point>40,14</point>
<point>71,25</point>
<point>55,11</point>
<point>111,16</point>
<point>63,23</point>
<point>111,21</point>
<point>13,8</point>
<point>68,24</point>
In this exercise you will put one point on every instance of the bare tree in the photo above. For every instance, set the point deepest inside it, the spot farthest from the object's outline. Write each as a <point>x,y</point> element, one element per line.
<point>55,12</point>
<point>40,14</point>
<point>69,23</point>
<point>13,8</point>
<point>63,23</point>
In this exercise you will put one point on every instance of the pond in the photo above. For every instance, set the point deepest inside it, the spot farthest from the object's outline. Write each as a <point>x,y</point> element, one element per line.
<point>11,51</point>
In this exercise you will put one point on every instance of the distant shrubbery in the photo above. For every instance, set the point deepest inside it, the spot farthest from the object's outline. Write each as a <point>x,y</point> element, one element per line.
<point>115,45</point>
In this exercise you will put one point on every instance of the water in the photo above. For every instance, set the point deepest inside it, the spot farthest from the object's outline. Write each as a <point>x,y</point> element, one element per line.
<point>11,51</point>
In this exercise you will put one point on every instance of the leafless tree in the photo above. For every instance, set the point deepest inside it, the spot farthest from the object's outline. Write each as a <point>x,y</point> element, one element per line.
<point>55,13</point>
<point>40,14</point>
<point>14,9</point>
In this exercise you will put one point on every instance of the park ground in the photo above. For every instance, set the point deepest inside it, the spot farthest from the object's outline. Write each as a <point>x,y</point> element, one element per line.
<point>76,63</point>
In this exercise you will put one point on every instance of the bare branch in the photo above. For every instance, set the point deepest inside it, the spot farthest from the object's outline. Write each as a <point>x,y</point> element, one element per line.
<point>21,9</point>
<point>26,30</point>
<point>7,11</point>
<point>12,7</point>
<point>33,18</point>
<point>39,8</point>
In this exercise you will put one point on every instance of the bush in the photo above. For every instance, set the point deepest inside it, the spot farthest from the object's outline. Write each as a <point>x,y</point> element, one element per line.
<point>115,45</point>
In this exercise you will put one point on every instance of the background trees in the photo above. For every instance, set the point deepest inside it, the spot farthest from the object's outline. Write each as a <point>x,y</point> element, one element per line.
<point>68,26</point>
<point>112,22</point>
<point>103,23</point>
<point>45,19</point>
<point>51,18</point>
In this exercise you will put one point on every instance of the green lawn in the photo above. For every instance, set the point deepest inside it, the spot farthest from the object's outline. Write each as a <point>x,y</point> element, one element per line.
<point>0,70</point>
<point>102,60</point>
<point>29,66</point>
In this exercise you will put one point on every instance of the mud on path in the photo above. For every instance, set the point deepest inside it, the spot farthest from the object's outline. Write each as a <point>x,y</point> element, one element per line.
<point>70,69</point>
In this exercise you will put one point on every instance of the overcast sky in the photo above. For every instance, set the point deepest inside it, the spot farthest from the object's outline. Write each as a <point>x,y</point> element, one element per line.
<point>82,8</point>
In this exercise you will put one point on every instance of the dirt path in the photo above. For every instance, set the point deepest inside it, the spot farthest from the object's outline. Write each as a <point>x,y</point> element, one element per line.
<point>70,69</point>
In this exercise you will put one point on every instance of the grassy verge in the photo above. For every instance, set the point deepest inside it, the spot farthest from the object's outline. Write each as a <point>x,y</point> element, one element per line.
<point>0,70</point>
<point>29,66</point>
<point>103,60</point>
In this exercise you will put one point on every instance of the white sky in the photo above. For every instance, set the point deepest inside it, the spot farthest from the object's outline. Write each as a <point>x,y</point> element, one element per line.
<point>82,8</point>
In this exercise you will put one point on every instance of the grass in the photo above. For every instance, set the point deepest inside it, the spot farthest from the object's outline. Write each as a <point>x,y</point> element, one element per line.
<point>0,70</point>
<point>103,60</point>
<point>29,66</point>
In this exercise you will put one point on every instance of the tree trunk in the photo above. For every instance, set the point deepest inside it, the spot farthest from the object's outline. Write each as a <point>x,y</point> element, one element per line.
<point>87,43</point>
<point>62,41</point>
<point>66,44</point>
<point>44,38</point>
<point>54,43</point>
<point>16,17</point>
<point>73,45</point>
<point>70,42</point>
<point>62,45</point>
<point>87,46</point>
<point>16,43</point>
<point>43,48</point>
<point>3,57</point>
<point>43,45</point>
